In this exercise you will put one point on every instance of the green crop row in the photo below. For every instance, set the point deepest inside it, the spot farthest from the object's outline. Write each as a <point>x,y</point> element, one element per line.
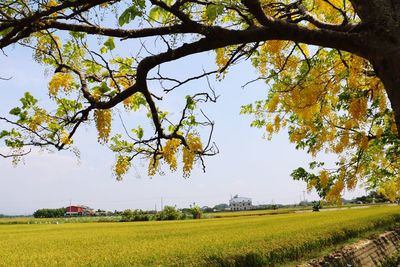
<point>238,241</point>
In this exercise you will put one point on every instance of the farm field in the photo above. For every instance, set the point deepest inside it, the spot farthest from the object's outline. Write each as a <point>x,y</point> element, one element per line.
<point>247,240</point>
<point>226,214</point>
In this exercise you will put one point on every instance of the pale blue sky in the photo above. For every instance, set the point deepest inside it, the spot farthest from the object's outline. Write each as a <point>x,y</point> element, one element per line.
<point>247,164</point>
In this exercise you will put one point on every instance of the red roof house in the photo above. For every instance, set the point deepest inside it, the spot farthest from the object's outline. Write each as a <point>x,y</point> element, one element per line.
<point>78,210</point>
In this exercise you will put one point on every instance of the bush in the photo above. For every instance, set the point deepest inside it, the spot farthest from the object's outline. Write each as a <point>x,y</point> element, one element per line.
<point>135,215</point>
<point>170,213</point>
<point>316,206</point>
<point>196,212</point>
<point>49,213</point>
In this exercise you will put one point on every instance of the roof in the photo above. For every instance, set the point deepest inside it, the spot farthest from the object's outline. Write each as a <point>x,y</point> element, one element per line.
<point>79,206</point>
<point>240,199</point>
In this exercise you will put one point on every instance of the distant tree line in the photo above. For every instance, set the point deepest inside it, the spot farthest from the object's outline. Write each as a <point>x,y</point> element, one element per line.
<point>372,196</point>
<point>168,213</point>
<point>50,213</point>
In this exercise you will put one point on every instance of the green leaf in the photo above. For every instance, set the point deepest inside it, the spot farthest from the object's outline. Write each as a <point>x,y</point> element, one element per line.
<point>246,109</point>
<point>77,35</point>
<point>155,13</point>
<point>110,43</point>
<point>213,11</point>
<point>4,133</point>
<point>28,100</point>
<point>132,12</point>
<point>300,174</point>
<point>103,50</point>
<point>258,123</point>
<point>15,111</point>
<point>138,132</point>
<point>190,103</point>
<point>103,88</point>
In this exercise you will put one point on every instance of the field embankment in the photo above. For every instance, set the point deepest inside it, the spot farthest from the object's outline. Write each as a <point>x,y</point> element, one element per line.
<point>246,241</point>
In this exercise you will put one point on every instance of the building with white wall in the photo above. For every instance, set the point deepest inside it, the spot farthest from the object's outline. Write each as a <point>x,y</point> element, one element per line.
<point>240,203</point>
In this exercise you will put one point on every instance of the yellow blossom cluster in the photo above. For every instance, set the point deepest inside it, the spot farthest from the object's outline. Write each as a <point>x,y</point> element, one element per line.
<point>194,147</point>
<point>271,53</point>
<point>51,3</point>
<point>122,166</point>
<point>351,182</point>
<point>270,129</point>
<point>324,10</point>
<point>46,42</point>
<point>334,195</point>
<point>311,184</point>
<point>356,65</point>
<point>120,82</point>
<point>37,119</point>
<point>65,139</point>
<point>262,66</point>
<point>131,103</point>
<point>169,152</point>
<point>221,57</point>
<point>103,124</point>
<point>273,103</point>
<point>59,81</point>
<point>390,189</point>
<point>364,142</point>
<point>358,108</point>
<point>153,166</point>
<point>324,178</point>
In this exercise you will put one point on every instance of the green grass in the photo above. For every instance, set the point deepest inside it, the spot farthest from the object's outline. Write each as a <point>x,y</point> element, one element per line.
<point>238,241</point>
<point>392,261</point>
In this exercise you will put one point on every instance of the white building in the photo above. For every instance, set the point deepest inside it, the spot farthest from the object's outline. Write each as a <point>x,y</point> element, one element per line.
<point>240,203</point>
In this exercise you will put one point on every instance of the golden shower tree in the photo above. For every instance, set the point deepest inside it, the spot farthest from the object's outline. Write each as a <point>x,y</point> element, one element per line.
<point>331,68</point>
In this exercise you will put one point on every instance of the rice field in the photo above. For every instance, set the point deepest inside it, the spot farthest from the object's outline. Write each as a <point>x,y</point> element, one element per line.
<point>236,241</point>
<point>226,214</point>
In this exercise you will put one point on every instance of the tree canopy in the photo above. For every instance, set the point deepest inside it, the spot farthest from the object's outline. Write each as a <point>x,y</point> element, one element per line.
<point>330,66</point>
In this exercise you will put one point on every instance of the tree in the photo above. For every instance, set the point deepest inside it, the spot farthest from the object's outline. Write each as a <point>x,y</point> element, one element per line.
<point>169,213</point>
<point>331,66</point>
<point>134,215</point>
<point>196,212</point>
<point>372,197</point>
<point>50,213</point>
<point>221,207</point>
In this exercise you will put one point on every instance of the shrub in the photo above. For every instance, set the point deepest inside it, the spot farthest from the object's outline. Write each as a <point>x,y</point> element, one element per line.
<point>196,212</point>
<point>169,213</point>
<point>135,215</point>
<point>49,213</point>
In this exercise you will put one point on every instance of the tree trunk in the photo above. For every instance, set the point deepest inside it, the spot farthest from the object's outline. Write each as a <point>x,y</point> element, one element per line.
<point>388,70</point>
<point>381,19</point>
